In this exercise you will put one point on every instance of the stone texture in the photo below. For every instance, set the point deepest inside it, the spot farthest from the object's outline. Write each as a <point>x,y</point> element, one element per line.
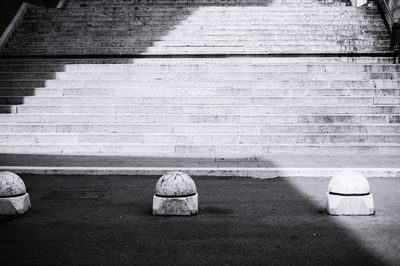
<point>175,184</point>
<point>350,205</point>
<point>11,184</point>
<point>176,194</point>
<point>349,194</point>
<point>179,106</point>
<point>15,205</point>
<point>349,182</point>
<point>13,196</point>
<point>175,206</point>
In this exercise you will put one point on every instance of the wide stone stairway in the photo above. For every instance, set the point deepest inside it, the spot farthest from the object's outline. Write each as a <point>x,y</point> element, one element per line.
<point>200,79</point>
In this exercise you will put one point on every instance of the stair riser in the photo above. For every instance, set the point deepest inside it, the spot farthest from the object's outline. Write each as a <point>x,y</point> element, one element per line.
<point>203,42</point>
<point>157,33</point>
<point>217,119</point>
<point>330,61</point>
<point>223,26</point>
<point>199,140</point>
<point>217,21</point>
<point>197,128</point>
<point>23,109</point>
<point>171,92</point>
<point>196,50</point>
<point>130,35</point>
<point>174,8</point>
<point>253,38</point>
<point>142,69</point>
<point>202,76</point>
<point>340,84</point>
<point>193,150</point>
<point>231,101</point>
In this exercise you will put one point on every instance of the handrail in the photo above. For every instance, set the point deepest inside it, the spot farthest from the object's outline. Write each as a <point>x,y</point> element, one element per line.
<point>389,14</point>
<point>13,24</point>
<point>388,11</point>
<point>61,4</point>
<point>17,19</point>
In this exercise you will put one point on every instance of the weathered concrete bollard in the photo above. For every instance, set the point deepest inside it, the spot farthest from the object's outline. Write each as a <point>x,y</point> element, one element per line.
<point>349,194</point>
<point>176,194</point>
<point>13,196</point>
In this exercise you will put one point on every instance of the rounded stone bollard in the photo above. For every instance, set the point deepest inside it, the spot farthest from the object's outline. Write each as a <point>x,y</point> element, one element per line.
<point>176,194</point>
<point>13,196</point>
<point>349,194</point>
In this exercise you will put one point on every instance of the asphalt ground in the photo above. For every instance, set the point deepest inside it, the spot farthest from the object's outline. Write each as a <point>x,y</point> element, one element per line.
<point>106,220</point>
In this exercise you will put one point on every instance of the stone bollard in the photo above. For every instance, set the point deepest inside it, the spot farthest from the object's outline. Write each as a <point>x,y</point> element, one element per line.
<point>13,196</point>
<point>176,194</point>
<point>349,194</point>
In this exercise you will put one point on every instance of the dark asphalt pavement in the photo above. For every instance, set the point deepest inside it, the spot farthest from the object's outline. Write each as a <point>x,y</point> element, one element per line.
<point>106,220</point>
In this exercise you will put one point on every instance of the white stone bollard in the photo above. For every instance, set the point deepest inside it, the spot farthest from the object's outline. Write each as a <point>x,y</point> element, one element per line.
<point>349,194</point>
<point>13,196</point>
<point>176,194</point>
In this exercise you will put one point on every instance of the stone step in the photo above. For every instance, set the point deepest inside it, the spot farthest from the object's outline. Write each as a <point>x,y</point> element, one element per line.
<point>189,128</point>
<point>143,34</point>
<point>200,100</point>
<point>183,13</point>
<point>190,16</point>
<point>13,68</point>
<point>229,165</point>
<point>211,9</point>
<point>180,11</point>
<point>207,106</point>
<point>224,28</point>
<point>171,18</point>
<point>171,61</point>
<point>84,4</point>
<point>204,150</point>
<point>219,24</point>
<point>179,16</point>
<point>196,118</point>
<point>178,92</point>
<point>206,50</point>
<point>193,51</point>
<point>203,76</point>
<point>184,19</point>
<point>154,18</point>
<point>232,83</point>
<point>157,34</point>
<point>234,38</point>
<point>206,3</point>
<point>199,139</point>
<point>204,43</point>
<point>203,109</point>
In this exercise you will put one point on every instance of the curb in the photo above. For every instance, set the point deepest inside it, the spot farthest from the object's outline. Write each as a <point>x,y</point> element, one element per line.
<point>259,173</point>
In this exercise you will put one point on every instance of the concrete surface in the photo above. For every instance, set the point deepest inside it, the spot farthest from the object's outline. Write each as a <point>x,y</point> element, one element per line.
<point>350,205</point>
<point>274,165</point>
<point>106,220</point>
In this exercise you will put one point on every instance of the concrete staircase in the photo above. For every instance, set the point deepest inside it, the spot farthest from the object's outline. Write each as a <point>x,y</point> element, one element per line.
<point>200,27</point>
<point>211,100</point>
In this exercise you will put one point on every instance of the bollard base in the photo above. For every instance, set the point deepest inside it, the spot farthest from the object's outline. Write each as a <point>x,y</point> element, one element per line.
<point>175,206</point>
<point>15,205</point>
<point>350,205</point>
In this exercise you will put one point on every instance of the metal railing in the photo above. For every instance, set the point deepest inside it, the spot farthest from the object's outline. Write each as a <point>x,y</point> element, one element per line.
<point>390,14</point>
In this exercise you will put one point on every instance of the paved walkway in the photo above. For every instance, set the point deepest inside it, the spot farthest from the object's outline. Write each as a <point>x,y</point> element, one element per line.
<point>106,220</point>
<point>253,166</point>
